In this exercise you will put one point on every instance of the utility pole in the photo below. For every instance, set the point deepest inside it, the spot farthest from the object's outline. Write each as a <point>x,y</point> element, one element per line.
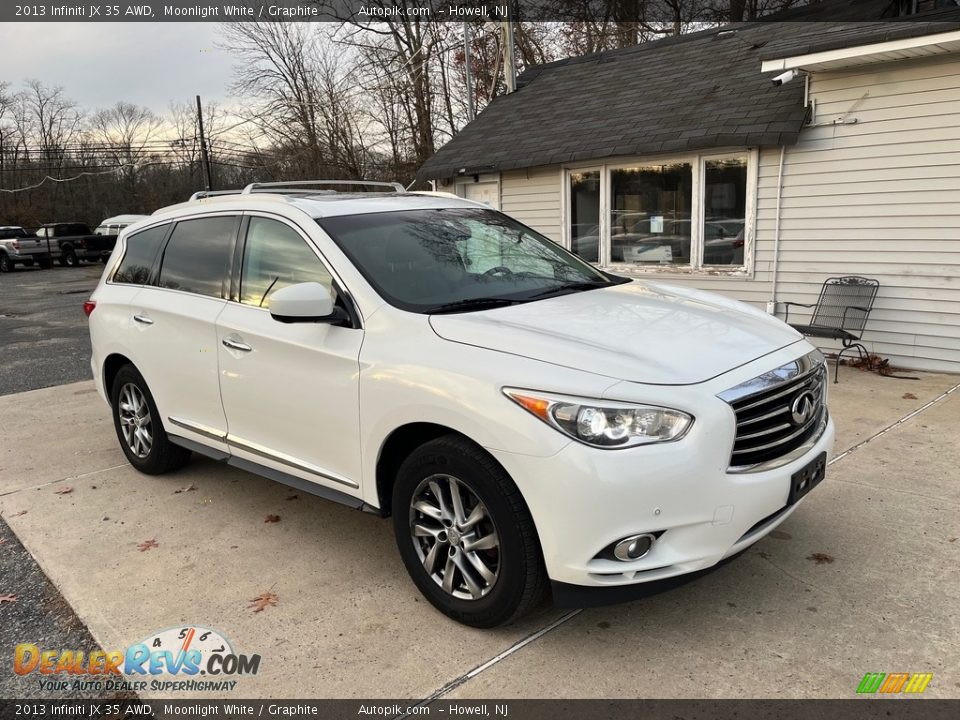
<point>509,65</point>
<point>203,147</point>
<point>467,70</point>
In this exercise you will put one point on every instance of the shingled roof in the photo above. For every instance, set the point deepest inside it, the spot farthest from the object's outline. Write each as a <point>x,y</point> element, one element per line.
<point>687,93</point>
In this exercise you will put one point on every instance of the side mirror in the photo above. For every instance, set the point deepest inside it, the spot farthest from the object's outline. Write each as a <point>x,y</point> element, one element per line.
<point>306,302</point>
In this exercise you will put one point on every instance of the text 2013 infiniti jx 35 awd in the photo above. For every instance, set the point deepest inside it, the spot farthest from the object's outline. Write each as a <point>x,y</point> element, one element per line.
<point>529,422</point>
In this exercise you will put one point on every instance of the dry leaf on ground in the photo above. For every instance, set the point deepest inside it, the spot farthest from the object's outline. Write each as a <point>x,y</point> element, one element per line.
<point>8,598</point>
<point>64,491</point>
<point>188,488</point>
<point>147,545</point>
<point>272,519</point>
<point>820,558</point>
<point>18,514</point>
<point>909,396</point>
<point>262,601</point>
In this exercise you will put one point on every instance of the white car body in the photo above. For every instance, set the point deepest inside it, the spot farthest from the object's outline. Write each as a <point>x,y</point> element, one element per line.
<point>320,403</point>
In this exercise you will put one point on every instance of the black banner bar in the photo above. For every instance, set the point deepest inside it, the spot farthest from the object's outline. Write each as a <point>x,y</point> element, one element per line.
<point>893,708</point>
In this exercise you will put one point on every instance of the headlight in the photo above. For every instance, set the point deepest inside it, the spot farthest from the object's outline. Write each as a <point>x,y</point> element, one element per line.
<point>604,423</point>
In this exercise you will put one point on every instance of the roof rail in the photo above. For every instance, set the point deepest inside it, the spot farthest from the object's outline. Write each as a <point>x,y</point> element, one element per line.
<point>292,185</point>
<point>212,193</point>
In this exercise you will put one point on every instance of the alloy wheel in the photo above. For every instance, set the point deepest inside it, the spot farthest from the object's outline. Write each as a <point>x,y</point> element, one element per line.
<point>135,420</point>
<point>455,537</point>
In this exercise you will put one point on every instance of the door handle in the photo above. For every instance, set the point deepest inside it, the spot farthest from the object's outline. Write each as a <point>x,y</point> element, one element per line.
<point>143,319</point>
<point>235,345</point>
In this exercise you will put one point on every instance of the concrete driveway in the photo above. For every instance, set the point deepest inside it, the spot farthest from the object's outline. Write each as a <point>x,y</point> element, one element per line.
<point>862,577</point>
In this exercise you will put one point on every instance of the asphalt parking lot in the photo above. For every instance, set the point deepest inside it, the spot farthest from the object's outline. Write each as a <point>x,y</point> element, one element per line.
<point>862,578</point>
<point>43,331</point>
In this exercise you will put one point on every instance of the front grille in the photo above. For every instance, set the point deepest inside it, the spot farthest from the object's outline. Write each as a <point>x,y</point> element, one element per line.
<point>775,421</point>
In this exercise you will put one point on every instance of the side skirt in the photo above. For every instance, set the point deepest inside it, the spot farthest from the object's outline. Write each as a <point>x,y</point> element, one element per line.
<point>277,475</point>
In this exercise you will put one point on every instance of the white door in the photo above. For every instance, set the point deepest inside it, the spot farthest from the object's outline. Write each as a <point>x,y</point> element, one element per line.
<point>176,322</point>
<point>486,192</point>
<point>290,390</point>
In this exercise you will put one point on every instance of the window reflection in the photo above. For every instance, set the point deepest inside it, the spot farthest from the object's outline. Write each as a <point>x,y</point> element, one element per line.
<point>650,214</point>
<point>585,214</point>
<point>724,210</point>
<point>274,257</point>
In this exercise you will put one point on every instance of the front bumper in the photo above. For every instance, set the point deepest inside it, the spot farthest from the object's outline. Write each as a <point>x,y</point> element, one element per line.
<point>584,499</point>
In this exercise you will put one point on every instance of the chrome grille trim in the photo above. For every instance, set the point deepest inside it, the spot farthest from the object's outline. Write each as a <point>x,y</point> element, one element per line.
<point>768,433</point>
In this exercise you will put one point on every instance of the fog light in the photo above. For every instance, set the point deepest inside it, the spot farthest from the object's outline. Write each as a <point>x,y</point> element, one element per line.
<point>634,547</point>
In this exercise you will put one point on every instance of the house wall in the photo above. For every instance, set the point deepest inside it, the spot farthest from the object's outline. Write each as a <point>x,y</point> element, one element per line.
<point>878,197</point>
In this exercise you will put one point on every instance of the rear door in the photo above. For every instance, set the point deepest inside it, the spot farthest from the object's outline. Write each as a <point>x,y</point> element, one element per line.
<point>290,390</point>
<point>174,319</point>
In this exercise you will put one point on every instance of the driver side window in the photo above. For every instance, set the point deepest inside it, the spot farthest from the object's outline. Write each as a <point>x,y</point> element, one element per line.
<point>275,256</point>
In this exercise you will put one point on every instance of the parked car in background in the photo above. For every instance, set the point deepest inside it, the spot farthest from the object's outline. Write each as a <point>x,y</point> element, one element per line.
<point>113,225</point>
<point>69,243</point>
<point>18,247</point>
<point>527,420</point>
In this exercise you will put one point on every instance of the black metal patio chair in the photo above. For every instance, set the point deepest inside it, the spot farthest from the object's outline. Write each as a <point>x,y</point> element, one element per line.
<point>840,313</point>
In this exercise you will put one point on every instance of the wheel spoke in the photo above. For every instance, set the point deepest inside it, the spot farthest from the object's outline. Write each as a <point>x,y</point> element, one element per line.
<point>481,567</point>
<point>458,514</point>
<point>430,561</point>
<point>487,542</point>
<point>421,530</point>
<point>448,571</point>
<point>476,590</point>
<point>431,511</point>
<point>438,494</point>
<point>476,515</point>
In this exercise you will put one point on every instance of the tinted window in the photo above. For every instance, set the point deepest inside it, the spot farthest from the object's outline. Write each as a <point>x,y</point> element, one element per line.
<point>142,249</point>
<point>275,256</point>
<point>196,256</point>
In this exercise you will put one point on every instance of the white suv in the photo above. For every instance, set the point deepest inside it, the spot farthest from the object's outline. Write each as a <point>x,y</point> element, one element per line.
<point>526,419</point>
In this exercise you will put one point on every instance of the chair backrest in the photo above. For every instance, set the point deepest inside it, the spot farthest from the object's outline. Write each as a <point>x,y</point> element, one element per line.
<point>845,303</point>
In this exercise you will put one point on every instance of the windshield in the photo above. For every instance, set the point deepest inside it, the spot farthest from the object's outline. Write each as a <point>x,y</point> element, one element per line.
<point>458,260</point>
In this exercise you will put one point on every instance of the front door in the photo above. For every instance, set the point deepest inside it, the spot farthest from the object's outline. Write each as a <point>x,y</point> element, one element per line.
<point>290,390</point>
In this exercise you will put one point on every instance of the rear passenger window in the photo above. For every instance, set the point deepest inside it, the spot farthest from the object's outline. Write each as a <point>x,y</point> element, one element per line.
<point>274,257</point>
<point>196,256</point>
<point>138,259</point>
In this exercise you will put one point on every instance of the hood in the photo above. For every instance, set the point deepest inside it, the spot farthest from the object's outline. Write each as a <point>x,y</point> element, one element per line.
<point>644,332</point>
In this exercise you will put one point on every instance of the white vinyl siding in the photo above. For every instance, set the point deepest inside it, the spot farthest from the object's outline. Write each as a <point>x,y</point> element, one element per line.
<point>878,197</point>
<point>533,197</point>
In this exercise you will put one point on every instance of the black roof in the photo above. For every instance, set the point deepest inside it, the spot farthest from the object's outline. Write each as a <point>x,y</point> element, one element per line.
<point>691,92</point>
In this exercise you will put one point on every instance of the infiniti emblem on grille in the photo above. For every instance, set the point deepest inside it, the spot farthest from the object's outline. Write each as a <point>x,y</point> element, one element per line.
<point>804,405</point>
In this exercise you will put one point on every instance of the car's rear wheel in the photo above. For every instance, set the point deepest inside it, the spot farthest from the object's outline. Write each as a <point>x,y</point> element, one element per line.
<point>139,428</point>
<point>69,259</point>
<point>466,535</point>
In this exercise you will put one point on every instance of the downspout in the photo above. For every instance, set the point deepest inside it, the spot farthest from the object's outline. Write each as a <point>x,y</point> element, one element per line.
<point>772,305</point>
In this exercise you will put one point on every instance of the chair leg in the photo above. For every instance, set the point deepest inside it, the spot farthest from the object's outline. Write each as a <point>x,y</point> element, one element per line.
<point>836,372</point>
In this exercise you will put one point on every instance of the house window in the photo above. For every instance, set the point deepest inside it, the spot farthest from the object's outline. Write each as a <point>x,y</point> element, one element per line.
<point>650,214</point>
<point>585,214</point>
<point>680,214</point>
<point>724,210</point>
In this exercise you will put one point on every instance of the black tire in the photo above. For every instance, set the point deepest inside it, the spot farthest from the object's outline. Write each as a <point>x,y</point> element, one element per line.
<point>521,581</point>
<point>6,264</point>
<point>69,258</point>
<point>45,263</point>
<point>163,456</point>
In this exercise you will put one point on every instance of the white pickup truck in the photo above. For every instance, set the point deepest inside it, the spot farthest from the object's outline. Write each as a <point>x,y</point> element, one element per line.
<point>19,247</point>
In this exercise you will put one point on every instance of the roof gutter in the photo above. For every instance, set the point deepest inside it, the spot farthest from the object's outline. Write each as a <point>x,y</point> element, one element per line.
<point>940,43</point>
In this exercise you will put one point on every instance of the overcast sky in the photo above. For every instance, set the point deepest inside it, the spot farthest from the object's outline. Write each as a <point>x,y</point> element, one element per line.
<point>99,64</point>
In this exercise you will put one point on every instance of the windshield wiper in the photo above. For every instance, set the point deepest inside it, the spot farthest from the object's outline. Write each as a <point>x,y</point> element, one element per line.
<point>472,304</point>
<point>572,287</point>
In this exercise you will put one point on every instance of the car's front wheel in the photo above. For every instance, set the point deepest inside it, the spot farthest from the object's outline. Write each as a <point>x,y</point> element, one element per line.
<point>139,429</point>
<point>465,534</point>
<point>6,264</point>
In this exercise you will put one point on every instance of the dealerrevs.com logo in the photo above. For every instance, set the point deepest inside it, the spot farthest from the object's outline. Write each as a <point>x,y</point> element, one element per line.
<point>191,658</point>
<point>891,683</point>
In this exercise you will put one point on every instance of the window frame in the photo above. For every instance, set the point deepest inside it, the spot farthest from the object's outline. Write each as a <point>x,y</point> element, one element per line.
<point>697,162</point>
